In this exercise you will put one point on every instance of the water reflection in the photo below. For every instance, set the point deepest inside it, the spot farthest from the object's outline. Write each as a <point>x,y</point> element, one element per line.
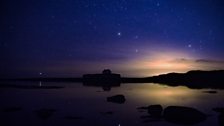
<point>77,100</point>
<point>104,86</point>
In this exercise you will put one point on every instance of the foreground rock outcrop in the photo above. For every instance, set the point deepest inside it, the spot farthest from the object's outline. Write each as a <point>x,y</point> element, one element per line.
<point>174,114</point>
<point>183,115</point>
<point>120,99</point>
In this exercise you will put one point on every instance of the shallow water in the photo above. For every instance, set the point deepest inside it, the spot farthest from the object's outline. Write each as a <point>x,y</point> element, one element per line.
<point>80,105</point>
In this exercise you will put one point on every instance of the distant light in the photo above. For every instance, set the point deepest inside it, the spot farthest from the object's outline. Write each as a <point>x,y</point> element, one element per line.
<point>40,73</point>
<point>189,45</point>
<point>119,124</point>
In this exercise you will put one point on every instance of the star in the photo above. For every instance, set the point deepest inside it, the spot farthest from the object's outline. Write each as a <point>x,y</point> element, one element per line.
<point>40,73</point>
<point>119,34</point>
<point>189,46</point>
<point>136,50</point>
<point>136,37</point>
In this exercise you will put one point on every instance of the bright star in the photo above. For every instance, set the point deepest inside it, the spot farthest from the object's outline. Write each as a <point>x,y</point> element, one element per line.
<point>119,33</point>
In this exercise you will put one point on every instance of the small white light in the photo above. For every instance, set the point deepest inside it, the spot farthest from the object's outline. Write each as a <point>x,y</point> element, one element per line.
<point>119,33</point>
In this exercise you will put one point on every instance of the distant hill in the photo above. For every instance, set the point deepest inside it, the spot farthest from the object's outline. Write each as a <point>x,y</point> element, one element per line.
<point>192,79</point>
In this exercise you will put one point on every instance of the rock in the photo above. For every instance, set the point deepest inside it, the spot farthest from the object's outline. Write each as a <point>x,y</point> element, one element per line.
<point>155,111</point>
<point>120,99</point>
<point>183,115</point>
<point>45,113</point>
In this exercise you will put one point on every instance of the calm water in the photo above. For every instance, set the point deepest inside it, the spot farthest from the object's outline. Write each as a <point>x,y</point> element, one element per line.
<point>78,105</point>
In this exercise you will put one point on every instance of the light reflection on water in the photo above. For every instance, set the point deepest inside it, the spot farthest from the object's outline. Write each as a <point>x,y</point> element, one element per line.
<point>90,102</point>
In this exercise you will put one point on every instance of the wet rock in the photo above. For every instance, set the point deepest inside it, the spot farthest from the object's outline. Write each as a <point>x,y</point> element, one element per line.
<point>120,99</point>
<point>155,111</point>
<point>73,117</point>
<point>107,113</point>
<point>45,113</point>
<point>183,115</point>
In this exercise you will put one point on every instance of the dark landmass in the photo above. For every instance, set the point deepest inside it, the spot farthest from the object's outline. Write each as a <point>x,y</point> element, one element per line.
<point>29,86</point>
<point>192,79</point>
<point>43,79</point>
<point>106,80</point>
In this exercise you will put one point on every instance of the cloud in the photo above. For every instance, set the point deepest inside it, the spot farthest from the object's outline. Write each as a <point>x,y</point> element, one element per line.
<point>209,61</point>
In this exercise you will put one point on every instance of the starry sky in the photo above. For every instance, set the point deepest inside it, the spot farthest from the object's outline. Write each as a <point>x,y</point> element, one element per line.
<point>67,38</point>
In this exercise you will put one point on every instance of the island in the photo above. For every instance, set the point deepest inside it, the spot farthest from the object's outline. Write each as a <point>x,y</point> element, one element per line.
<point>107,78</point>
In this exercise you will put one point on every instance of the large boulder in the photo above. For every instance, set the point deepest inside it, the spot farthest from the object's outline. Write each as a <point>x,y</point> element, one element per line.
<point>120,99</point>
<point>155,111</point>
<point>44,113</point>
<point>183,115</point>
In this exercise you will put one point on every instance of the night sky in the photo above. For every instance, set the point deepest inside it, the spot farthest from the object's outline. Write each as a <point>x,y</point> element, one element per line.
<point>67,38</point>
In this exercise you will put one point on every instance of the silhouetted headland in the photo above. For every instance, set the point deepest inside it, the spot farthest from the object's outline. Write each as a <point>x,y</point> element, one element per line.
<point>191,79</point>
